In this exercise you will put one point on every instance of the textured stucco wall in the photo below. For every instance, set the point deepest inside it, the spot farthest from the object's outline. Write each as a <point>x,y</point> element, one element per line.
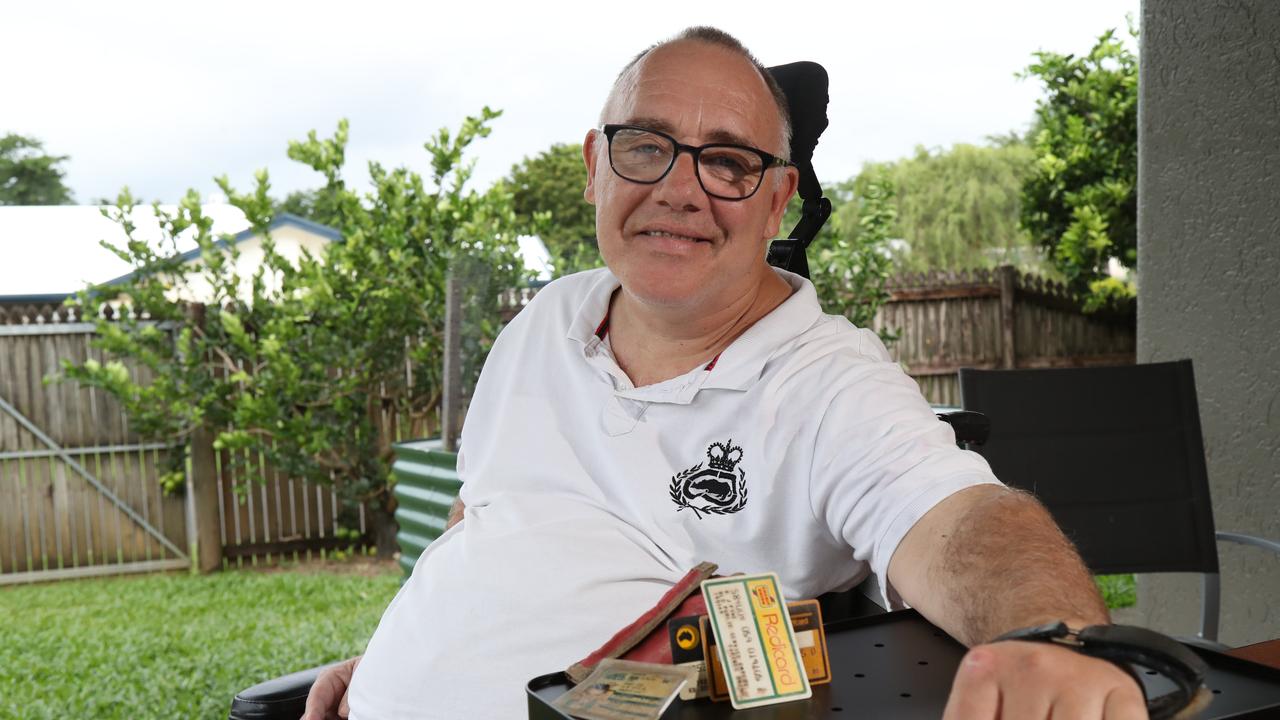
<point>1209,283</point>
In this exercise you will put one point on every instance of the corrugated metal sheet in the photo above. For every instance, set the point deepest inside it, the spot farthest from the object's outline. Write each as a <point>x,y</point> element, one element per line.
<point>426,485</point>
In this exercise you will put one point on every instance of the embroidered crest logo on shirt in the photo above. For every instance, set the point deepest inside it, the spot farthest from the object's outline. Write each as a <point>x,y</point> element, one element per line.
<point>718,489</point>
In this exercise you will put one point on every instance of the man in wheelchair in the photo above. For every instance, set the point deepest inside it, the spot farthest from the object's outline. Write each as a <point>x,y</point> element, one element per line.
<point>690,402</point>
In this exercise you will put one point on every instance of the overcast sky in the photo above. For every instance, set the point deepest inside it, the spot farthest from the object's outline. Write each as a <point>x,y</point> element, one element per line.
<point>164,96</point>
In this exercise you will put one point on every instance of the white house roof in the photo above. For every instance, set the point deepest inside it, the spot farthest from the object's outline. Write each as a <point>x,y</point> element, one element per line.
<point>47,252</point>
<point>54,249</point>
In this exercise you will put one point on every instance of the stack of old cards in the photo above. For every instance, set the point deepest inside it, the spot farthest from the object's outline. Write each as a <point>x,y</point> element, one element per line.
<point>693,645</point>
<point>624,690</point>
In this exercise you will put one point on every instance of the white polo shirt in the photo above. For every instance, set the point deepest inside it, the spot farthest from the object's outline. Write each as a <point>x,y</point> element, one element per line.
<point>803,449</point>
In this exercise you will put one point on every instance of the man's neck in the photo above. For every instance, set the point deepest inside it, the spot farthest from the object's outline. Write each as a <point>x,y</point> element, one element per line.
<point>653,343</point>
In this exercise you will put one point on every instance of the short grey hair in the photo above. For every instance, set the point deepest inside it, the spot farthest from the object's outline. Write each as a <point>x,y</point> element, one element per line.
<point>720,38</point>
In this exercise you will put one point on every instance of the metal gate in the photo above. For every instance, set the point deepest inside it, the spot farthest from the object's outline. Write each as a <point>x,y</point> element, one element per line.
<point>79,494</point>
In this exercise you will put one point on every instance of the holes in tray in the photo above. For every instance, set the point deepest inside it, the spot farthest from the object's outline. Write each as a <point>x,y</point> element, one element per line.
<point>905,695</point>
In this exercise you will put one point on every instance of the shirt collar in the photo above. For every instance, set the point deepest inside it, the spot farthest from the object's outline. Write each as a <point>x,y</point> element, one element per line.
<point>742,363</point>
<point>739,366</point>
<point>591,312</point>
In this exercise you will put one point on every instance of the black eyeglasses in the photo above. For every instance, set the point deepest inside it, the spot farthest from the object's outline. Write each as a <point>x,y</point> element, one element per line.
<point>725,170</point>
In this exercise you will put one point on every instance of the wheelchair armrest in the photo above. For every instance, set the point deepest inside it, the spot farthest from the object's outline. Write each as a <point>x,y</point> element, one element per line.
<point>282,698</point>
<point>1253,540</point>
<point>970,427</point>
<point>1197,641</point>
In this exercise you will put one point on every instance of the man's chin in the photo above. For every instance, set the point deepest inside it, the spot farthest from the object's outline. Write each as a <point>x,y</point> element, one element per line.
<point>666,291</point>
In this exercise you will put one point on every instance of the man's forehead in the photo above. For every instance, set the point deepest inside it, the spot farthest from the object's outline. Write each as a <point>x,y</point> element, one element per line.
<point>711,134</point>
<point>699,89</point>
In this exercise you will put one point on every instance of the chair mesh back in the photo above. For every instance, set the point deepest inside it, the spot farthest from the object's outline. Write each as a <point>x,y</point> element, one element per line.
<point>1114,453</point>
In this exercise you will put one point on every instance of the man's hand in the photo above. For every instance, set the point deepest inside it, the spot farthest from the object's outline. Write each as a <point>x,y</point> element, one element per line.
<point>328,697</point>
<point>1017,680</point>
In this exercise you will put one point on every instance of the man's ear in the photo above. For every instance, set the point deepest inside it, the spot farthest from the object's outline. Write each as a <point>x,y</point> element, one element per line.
<point>780,196</point>
<point>589,157</point>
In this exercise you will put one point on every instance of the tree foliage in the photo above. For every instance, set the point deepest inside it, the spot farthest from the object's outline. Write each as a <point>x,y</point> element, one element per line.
<point>317,204</point>
<point>958,209</point>
<point>939,209</point>
<point>849,260</point>
<point>1081,202</point>
<point>547,189</point>
<point>30,176</point>
<point>311,366</point>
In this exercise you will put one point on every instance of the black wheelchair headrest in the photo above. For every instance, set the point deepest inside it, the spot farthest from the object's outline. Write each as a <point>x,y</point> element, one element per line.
<point>805,85</point>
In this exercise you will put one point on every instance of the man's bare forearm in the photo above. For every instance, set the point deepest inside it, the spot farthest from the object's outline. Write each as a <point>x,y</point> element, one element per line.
<point>1005,565</point>
<point>455,514</point>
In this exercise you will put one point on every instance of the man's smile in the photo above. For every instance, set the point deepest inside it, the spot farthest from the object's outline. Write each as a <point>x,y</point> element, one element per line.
<point>672,237</point>
<point>677,236</point>
<point>675,242</point>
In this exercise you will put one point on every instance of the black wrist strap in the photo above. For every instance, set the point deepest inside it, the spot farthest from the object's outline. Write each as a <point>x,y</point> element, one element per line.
<point>1126,645</point>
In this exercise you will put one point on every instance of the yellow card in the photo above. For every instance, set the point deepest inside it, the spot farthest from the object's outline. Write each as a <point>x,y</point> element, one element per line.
<point>755,642</point>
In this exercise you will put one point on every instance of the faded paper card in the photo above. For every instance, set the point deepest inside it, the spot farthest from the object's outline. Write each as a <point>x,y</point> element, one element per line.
<point>624,690</point>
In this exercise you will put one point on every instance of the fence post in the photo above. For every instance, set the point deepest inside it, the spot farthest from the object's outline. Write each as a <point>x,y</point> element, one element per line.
<point>1008,286</point>
<point>206,541</point>
<point>452,395</point>
<point>204,525</point>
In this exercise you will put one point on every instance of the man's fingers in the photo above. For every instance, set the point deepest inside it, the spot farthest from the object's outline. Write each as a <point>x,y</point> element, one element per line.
<point>1125,703</point>
<point>975,693</point>
<point>322,697</point>
<point>1077,702</point>
<point>328,696</point>
<point>344,709</point>
<point>1023,681</point>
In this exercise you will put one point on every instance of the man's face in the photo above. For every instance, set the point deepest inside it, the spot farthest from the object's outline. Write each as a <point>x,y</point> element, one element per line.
<point>669,243</point>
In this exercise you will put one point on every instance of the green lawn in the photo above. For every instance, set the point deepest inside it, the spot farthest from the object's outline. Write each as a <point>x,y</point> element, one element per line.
<point>178,646</point>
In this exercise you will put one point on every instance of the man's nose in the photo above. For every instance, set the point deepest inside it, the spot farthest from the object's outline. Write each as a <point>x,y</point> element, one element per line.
<point>680,188</point>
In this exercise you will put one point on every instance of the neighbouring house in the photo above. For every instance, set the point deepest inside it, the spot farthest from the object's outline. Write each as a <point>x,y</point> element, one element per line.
<point>49,253</point>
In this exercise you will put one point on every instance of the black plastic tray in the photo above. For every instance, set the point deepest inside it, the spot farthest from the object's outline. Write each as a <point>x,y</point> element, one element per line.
<point>897,665</point>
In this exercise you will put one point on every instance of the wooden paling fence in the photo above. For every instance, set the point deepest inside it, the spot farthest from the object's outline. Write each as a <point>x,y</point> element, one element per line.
<point>265,515</point>
<point>995,319</point>
<point>80,492</point>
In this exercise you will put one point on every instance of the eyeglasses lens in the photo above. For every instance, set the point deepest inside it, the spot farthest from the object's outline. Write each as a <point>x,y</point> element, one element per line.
<point>725,171</point>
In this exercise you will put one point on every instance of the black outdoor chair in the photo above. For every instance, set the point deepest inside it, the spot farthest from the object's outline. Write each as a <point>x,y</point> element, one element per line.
<point>1116,455</point>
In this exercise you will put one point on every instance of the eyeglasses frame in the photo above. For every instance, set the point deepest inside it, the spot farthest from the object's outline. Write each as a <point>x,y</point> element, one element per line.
<point>769,161</point>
